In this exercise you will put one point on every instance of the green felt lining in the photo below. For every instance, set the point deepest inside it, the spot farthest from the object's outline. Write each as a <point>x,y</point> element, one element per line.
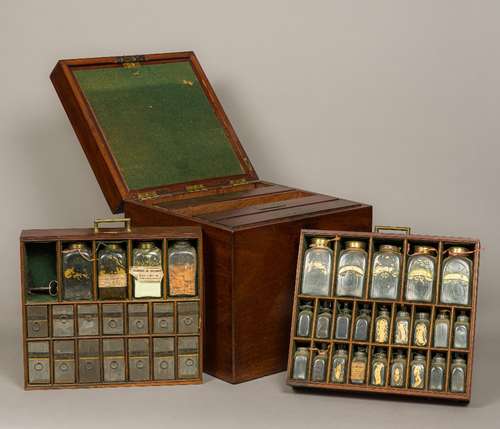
<point>159,124</point>
<point>40,268</point>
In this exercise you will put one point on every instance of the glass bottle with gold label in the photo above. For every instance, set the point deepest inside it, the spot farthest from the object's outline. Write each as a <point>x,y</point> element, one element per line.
<point>382,323</point>
<point>112,272</point>
<point>319,365</point>
<point>343,323</point>
<point>351,269</point>
<point>182,266</point>
<point>339,366</point>
<point>147,270</point>
<point>398,370</point>
<point>456,277</point>
<point>379,368</point>
<point>421,274</point>
<point>77,272</point>
<point>324,322</point>
<point>437,373</point>
<point>386,270</point>
<point>402,327</point>
<point>421,329</point>
<point>304,320</point>
<point>441,329</point>
<point>317,270</point>
<point>417,371</point>
<point>300,363</point>
<point>362,325</point>
<point>458,374</point>
<point>461,331</point>
<point>358,367</point>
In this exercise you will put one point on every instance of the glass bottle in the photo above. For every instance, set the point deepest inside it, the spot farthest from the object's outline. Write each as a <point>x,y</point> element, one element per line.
<point>461,331</point>
<point>421,329</point>
<point>343,323</point>
<point>339,366</point>
<point>398,370</point>
<point>386,270</point>
<point>441,329</point>
<point>362,325</point>
<point>77,270</point>
<point>458,374</point>
<point>300,363</point>
<point>317,270</point>
<point>351,270</point>
<point>456,277</point>
<point>324,323</point>
<point>112,272</point>
<point>147,270</point>
<point>319,366</point>
<point>358,367</point>
<point>402,327</point>
<point>379,369</point>
<point>382,323</point>
<point>304,320</point>
<point>436,377</point>
<point>182,265</point>
<point>417,371</point>
<point>421,274</point>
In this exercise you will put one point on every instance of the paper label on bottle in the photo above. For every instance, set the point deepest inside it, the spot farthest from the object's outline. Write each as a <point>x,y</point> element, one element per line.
<point>147,289</point>
<point>112,280</point>
<point>182,280</point>
<point>143,274</point>
<point>358,371</point>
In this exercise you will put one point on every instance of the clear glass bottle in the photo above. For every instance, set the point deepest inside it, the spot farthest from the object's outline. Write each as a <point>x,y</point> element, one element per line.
<point>437,372</point>
<point>461,331</point>
<point>379,369</point>
<point>386,270</point>
<point>458,374</point>
<point>182,267</point>
<point>304,320</point>
<point>343,323</point>
<point>421,274</point>
<point>358,367</point>
<point>339,366</point>
<point>417,371</point>
<point>112,272</point>
<point>441,329</point>
<point>362,325</point>
<point>319,365</point>
<point>352,269</point>
<point>324,323</point>
<point>421,329</point>
<point>382,323</point>
<point>317,269</point>
<point>77,271</point>
<point>398,370</point>
<point>147,270</point>
<point>402,327</point>
<point>300,363</point>
<point>456,277</point>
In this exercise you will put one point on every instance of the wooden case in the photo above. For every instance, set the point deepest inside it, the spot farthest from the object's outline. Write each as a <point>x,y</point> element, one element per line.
<point>406,243</point>
<point>251,227</point>
<point>102,343</point>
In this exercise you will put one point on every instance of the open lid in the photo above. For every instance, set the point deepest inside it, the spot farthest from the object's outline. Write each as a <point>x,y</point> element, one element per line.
<point>150,125</point>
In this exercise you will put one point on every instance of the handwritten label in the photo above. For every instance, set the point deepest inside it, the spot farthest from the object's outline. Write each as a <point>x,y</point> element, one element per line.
<point>147,274</point>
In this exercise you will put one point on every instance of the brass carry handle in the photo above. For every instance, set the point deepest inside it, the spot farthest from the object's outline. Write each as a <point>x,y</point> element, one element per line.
<point>405,229</point>
<point>125,220</point>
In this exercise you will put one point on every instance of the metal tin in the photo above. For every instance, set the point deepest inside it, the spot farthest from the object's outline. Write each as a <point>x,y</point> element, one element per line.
<point>138,322</point>
<point>89,367</point>
<point>113,351</point>
<point>163,318</point>
<point>112,319</point>
<point>64,361</point>
<point>37,321</point>
<point>187,318</point>
<point>88,322</point>
<point>163,358</point>
<point>138,359</point>
<point>38,362</point>
<point>62,320</point>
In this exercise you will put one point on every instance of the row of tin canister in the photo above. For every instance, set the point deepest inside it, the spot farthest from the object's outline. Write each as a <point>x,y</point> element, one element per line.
<point>443,328</point>
<point>419,377</point>
<point>386,268</point>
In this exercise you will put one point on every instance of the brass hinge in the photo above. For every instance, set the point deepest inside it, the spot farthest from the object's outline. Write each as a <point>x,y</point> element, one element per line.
<point>131,61</point>
<point>195,188</point>
<point>238,182</point>
<point>147,195</point>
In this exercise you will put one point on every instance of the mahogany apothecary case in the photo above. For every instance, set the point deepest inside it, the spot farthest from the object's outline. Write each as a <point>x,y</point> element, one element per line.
<point>165,153</point>
<point>112,307</point>
<point>385,313</point>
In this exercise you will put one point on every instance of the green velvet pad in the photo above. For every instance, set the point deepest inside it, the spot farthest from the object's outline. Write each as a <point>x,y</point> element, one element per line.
<point>159,124</point>
<point>41,263</point>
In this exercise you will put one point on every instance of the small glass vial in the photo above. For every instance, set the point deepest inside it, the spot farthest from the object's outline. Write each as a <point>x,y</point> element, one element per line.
<point>317,270</point>
<point>343,323</point>
<point>339,366</point>
<point>456,277</point>
<point>398,370</point>
<point>402,327</point>
<point>300,363</point>
<point>379,369</point>
<point>458,375</point>
<point>421,274</point>
<point>442,329</point>
<point>382,323</point>
<point>352,269</point>
<point>436,377</point>
<point>112,272</point>
<point>319,365</point>
<point>386,272</point>
<point>304,320</point>
<point>147,270</point>
<point>358,367</point>
<point>461,331</point>
<point>417,371</point>
<point>182,263</point>
<point>324,323</point>
<point>362,325</point>
<point>421,329</point>
<point>77,270</point>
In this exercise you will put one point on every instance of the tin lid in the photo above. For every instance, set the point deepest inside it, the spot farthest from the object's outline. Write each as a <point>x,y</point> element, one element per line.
<point>319,242</point>
<point>388,248</point>
<point>458,251</point>
<point>354,244</point>
<point>425,250</point>
<point>77,246</point>
<point>146,245</point>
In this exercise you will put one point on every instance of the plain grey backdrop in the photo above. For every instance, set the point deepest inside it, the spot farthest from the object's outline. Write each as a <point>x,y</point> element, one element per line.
<point>394,103</point>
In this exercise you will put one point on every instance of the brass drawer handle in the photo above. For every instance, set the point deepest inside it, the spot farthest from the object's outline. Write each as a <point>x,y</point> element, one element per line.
<point>126,221</point>
<point>405,229</point>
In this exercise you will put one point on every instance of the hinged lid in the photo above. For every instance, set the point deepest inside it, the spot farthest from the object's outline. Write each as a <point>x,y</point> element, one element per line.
<point>150,125</point>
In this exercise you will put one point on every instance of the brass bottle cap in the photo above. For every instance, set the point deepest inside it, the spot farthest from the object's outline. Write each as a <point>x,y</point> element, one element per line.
<point>388,248</point>
<point>425,250</point>
<point>146,245</point>
<point>355,244</point>
<point>319,242</point>
<point>79,246</point>
<point>458,250</point>
<point>113,246</point>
